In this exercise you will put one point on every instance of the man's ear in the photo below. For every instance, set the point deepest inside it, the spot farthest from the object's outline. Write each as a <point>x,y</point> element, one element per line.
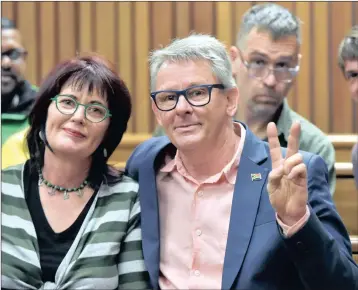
<point>156,113</point>
<point>233,97</point>
<point>234,56</point>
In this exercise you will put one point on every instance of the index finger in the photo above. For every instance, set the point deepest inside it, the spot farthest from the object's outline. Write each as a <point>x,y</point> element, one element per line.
<point>275,147</point>
<point>293,141</point>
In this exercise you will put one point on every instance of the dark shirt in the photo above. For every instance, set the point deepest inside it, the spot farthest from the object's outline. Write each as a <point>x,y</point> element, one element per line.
<point>14,115</point>
<point>53,246</point>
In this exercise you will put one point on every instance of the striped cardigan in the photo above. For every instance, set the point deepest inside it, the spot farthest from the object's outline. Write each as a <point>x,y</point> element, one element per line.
<point>106,253</point>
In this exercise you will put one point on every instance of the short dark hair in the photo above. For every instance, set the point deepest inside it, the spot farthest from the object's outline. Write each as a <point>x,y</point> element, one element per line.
<point>95,73</point>
<point>6,23</point>
<point>348,48</point>
<point>272,18</point>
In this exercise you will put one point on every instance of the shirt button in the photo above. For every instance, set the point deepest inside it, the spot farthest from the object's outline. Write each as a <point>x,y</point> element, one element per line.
<point>197,273</point>
<point>198,232</point>
<point>200,193</point>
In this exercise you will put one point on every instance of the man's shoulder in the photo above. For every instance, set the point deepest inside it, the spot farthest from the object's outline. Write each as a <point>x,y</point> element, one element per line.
<point>152,145</point>
<point>145,154</point>
<point>312,138</point>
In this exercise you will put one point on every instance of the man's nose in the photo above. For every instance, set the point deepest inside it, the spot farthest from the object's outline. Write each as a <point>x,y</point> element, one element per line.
<point>270,79</point>
<point>5,61</point>
<point>183,105</point>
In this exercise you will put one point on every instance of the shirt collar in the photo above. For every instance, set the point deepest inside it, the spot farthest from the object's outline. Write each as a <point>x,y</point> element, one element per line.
<point>229,171</point>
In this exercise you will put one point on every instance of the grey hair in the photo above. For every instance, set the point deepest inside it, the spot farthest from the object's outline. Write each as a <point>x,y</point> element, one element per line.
<point>348,48</point>
<point>270,17</point>
<point>193,48</point>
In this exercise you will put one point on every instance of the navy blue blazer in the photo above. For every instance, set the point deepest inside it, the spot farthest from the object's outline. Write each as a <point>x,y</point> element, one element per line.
<point>258,256</point>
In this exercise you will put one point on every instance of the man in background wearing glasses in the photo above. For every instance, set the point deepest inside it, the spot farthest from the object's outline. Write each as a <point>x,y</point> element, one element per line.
<point>266,60</point>
<point>17,94</point>
<point>348,63</point>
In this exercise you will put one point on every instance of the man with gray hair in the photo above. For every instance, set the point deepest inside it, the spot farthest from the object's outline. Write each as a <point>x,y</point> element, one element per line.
<point>222,209</point>
<point>266,61</point>
<point>348,63</point>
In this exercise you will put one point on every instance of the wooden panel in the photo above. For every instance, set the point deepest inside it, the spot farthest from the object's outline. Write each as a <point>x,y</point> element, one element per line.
<point>123,151</point>
<point>182,19</point>
<point>161,35</point>
<point>203,16</point>
<point>239,9</point>
<point>303,84</point>
<point>66,30</point>
<point>54,31</point>
<point>141,32</point>
<point>343,145</point>
<point>354,241</point>
<point>26,23</point>
<point>7,10</point>
<point>346,201</point>
<point>288,5</point>
<point>224,22</point>
<point>320,70</point>
<point>292,97</point>
<point>85,27</point>
<point>341,100</point>
<point>124,47</point>
<point>47,37</point>
<point>105,29</point>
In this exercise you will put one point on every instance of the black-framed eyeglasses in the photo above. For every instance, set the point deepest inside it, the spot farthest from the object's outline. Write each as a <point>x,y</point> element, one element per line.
<point>68,105</point>
<point>261,70</point>
<point>14,53</point>
<point>196,96</point>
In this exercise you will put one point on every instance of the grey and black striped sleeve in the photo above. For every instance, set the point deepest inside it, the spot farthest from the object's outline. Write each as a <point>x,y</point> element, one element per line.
<point>132,271</point>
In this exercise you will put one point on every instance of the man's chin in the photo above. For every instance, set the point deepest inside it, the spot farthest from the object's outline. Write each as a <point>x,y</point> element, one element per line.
<point>264,109</point>
<point>187,141</point>
<point>7,89</point>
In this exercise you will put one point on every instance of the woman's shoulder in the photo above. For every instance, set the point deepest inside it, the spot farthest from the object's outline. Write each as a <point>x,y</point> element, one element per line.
<point>124,185</point>
<point>12,174</point>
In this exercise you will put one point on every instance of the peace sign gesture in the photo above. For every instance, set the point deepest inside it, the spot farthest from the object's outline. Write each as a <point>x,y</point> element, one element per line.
<point>287,182</point>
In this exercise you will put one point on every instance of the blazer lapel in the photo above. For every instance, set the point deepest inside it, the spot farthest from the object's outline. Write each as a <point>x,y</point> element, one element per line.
<point>150,214</point>
<point>245,204</point>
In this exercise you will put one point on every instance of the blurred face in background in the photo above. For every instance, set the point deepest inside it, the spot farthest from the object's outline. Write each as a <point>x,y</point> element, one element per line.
<point>351,74</point>
<point>263,90</point>
<point>13,63</point>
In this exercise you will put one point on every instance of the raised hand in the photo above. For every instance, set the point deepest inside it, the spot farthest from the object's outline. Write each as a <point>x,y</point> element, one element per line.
<point>287,182</point>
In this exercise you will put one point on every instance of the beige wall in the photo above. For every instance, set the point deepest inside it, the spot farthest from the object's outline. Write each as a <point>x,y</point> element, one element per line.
<point>54,31</point>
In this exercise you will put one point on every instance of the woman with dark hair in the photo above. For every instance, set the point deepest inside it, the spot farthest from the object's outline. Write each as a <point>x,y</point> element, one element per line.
<point>68,219</point>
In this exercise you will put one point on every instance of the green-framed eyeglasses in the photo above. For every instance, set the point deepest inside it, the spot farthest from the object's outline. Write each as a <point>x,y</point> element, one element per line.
<point>68,105</point>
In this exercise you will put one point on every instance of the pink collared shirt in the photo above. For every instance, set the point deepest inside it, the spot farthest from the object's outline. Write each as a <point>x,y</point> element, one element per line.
<point>194,222</point>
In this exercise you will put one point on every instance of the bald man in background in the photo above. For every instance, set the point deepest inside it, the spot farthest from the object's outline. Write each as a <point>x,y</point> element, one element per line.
<point>17,94</point>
